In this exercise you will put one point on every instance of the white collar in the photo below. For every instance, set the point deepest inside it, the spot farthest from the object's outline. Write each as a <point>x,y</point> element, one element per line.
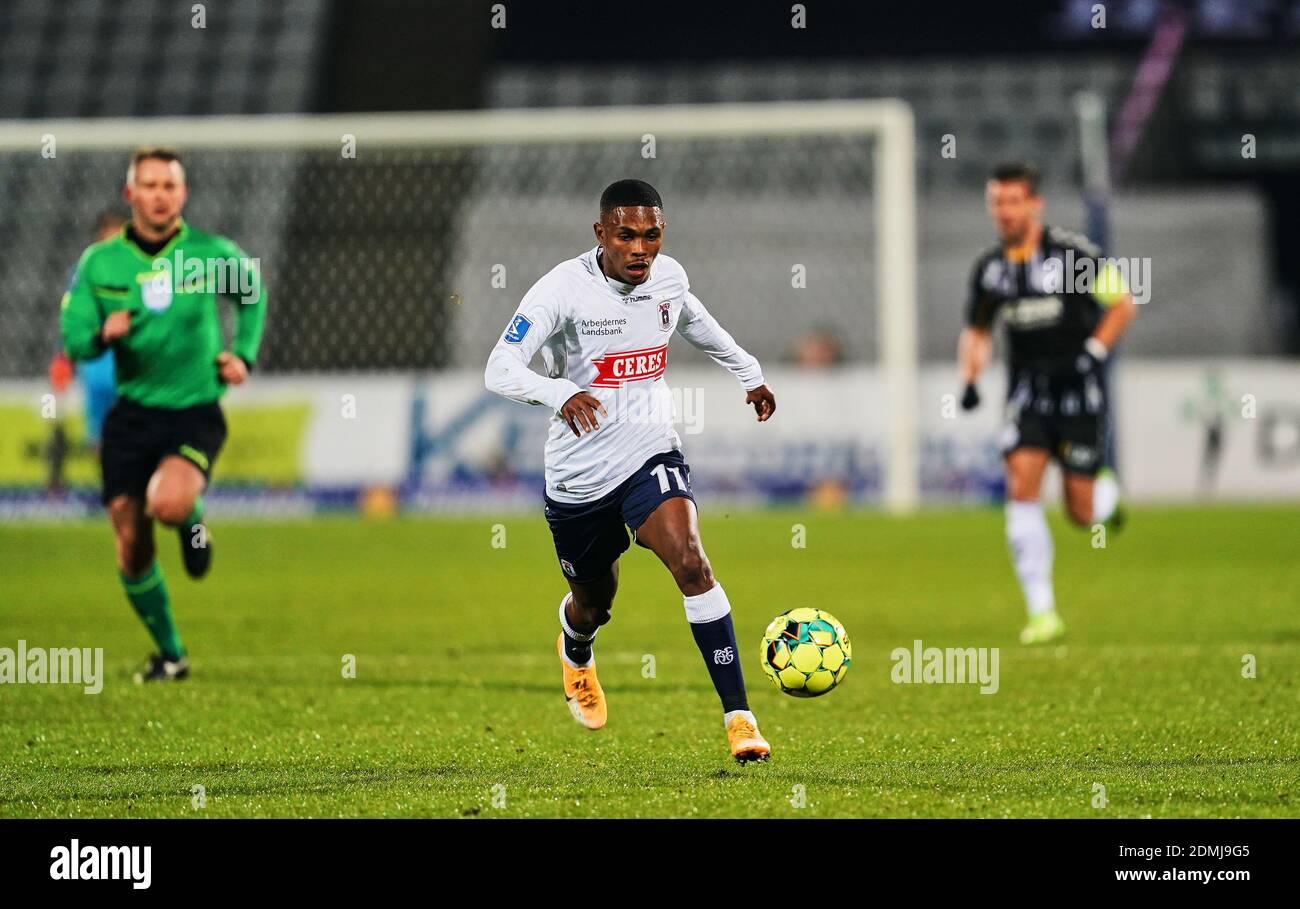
<point>617,287</point>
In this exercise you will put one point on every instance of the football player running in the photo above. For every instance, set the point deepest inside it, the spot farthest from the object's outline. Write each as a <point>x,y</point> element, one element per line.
<point>613,461</point>
<point>1059,333</point>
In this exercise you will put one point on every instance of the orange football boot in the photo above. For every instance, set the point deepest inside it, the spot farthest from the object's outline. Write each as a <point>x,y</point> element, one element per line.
<point>747,743</point>
<point>582,690</point>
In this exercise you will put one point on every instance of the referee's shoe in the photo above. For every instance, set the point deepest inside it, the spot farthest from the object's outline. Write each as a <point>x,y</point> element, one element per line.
<point>196,549</point>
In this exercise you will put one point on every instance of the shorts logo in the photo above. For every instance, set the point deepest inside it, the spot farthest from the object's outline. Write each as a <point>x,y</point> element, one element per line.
<point>665,315</point>
<point>724,656</point>
<point>198,457</point>
<point>1078,455</point>
<point>568,568</point>
<point>617,369</point>
<point>519,326</point>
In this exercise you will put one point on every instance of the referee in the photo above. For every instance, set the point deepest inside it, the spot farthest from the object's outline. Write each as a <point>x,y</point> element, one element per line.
<point>150,293</point>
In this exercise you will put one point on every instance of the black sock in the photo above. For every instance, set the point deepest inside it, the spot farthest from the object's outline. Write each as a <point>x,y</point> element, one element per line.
<point>717,643</point>
<point>577,647</point>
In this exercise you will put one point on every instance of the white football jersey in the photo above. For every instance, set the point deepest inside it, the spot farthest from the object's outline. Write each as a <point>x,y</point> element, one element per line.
<point>611,340</point>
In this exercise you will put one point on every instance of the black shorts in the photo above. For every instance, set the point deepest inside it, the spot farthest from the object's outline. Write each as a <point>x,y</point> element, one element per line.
<point>590,536</point>
<point>136,438</point>
<point>1069,419</point>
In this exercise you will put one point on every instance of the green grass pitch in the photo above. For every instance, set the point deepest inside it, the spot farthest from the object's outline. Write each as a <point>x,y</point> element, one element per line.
<point>456,707</point>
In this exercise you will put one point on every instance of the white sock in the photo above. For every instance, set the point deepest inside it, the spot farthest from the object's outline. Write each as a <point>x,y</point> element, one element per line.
<point>708,606</point>
<point>726,717</point>
<point>564,624</point>
<point>1031,552</point>
<point>1105,498</point>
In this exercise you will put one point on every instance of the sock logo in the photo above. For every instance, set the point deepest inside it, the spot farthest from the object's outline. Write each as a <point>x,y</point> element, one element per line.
<point>724,656</point>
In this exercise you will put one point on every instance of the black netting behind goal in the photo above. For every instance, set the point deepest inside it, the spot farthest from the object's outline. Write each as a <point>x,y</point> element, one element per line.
<point>413,257</point>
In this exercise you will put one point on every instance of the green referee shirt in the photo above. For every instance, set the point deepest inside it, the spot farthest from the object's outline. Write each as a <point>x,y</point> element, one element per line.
<point>169,357</point>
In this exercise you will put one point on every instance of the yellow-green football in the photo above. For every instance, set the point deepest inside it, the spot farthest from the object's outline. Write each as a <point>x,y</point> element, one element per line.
<point>805,652</point>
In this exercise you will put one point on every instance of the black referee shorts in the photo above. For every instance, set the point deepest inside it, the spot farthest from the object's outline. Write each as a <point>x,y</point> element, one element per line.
<point>136,439</point>
<point>1071,420</point>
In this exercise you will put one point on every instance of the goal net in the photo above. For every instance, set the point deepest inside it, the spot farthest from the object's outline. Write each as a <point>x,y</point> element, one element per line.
<point>401,243</point>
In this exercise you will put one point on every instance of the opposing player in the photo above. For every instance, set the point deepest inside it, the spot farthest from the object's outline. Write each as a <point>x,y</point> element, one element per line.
<point>150,294</point>
<point>602,322</point>
<point>1062,320</point>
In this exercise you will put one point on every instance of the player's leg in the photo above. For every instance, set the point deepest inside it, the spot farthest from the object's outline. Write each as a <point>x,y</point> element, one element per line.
<point>672,532</point>
<point>588,542</point>
<point>1030,541</point>
<point>1079,491</point>
<point>175,498</point>
<point>583,610</point>
<point>193,439</point>
<point>129,452</point>
<point>145,586</point>
<point>1092,494</point>
<point>174,490</point>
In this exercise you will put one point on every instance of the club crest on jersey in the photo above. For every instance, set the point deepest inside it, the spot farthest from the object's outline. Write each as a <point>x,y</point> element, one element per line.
<point>519,326</point>
<point>617,369</point>
<point>157,291</point>
<point>665,315</point>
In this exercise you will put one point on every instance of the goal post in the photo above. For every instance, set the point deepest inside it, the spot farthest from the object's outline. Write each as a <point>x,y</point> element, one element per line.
<point>886,123</point>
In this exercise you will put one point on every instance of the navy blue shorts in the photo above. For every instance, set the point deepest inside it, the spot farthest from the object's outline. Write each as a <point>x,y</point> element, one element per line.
<point>590,536</point>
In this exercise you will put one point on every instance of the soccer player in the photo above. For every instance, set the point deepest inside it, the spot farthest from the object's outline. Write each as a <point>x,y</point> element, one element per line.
<point>1060,327</point>
<point>150,293</point>
<point>602,322</point>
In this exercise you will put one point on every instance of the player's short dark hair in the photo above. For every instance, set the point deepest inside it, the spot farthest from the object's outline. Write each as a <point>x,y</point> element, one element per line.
<point>1013,171</point>
<point>153,153</point>
<point>629,194</point>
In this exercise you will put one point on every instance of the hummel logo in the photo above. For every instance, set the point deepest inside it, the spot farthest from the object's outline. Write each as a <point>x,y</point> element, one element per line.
<point>724,656</point>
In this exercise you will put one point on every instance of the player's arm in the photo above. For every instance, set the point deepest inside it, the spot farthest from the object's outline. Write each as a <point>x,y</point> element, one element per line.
<point>975,344</point>
<point>1113,294</point>
<point>507,373</point>
<point>974,350</point>
<point>86,332</point>
<point>250,320</point>
<point>697,325</point>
